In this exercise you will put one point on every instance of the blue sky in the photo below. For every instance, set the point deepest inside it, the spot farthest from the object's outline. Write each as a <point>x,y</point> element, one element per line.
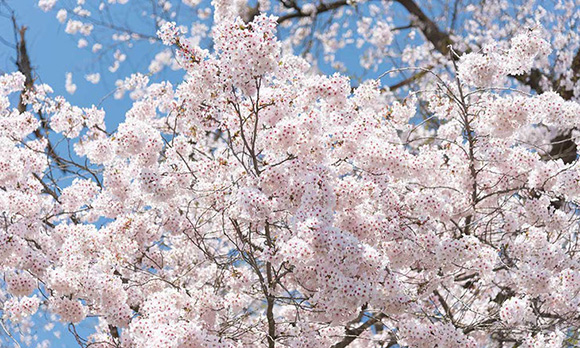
<point>53,53</point>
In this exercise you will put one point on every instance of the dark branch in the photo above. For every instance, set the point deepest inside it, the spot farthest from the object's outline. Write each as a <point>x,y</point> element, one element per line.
<point>319,9</point>
<point>575,68</point>
<point>409,80</point>
<point>532,79</point>
<point>25,67</point>
<point>353,334</point>
<point>432,33</point>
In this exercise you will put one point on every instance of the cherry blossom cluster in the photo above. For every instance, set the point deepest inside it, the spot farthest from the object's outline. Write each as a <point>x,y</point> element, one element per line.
<point>489,67</point>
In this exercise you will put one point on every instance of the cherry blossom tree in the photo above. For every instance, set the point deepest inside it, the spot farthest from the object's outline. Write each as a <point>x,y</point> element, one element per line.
<point>261,203</point>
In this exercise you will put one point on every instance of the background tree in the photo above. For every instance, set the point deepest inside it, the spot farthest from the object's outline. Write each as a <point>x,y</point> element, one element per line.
<point>358,38</point>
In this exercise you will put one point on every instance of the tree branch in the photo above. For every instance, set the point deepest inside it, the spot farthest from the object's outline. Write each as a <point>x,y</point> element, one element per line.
<point>353,334</point>
<point>25,67</point>
<point>575,68</point>
<point>321,8</point>
<point>432,33</point>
